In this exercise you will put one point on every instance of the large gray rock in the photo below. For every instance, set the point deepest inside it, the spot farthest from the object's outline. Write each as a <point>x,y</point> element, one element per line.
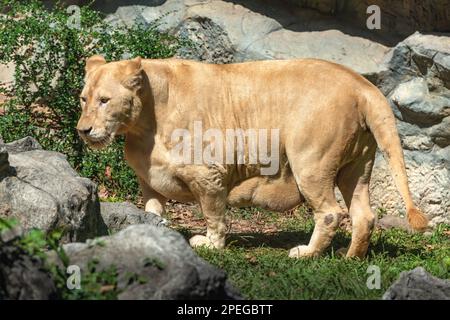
<point>167,268</point>
<point>119,215</point>
<point>418,284</point>
<point>416,79</point>
<point>42,191</point>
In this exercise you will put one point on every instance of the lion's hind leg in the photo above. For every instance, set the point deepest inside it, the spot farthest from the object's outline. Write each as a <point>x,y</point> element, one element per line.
<point>316,184</point>
<point>353,182</point>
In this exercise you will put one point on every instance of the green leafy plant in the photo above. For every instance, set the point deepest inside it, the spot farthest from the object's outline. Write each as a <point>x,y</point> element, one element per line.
<point>49,54</point>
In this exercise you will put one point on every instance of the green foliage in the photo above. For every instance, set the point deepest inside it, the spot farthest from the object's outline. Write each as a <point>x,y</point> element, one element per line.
<point>49,55</point>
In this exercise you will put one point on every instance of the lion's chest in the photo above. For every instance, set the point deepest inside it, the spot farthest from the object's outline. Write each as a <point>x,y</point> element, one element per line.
<point>155,169</point>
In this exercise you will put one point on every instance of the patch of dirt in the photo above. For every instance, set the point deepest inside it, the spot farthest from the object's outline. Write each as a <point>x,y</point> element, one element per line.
<point>239,220</point>
<point>3,99</point>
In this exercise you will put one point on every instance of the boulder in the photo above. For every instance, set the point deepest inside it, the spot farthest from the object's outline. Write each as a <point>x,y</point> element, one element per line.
<point>416,80</point>
<point>162,260</point>
<point>418,284</point>
<point>41,190</point>
<point>389,222</point>
<point>119,215</point>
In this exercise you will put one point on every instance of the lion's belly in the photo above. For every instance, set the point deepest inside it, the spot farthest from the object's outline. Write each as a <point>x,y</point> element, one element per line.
<point>279,194</point>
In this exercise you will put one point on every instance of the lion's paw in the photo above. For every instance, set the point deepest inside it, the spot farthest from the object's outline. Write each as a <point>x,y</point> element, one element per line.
<point>301,252</point>
<point>199,241</point>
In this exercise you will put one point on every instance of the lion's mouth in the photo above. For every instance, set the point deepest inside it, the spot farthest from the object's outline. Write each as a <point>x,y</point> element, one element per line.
<point>98,143</point>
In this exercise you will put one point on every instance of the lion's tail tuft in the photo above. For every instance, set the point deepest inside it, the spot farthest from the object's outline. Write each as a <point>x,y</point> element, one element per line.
<point>417,220</point>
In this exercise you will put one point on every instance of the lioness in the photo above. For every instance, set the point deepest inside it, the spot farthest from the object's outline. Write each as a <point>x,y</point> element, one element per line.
<point>330,120</point>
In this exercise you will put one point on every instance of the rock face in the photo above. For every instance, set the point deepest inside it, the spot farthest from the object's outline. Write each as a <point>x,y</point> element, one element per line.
<point>22,277</point>
<point>416,80</point>
<point>119,215</point>
<point>41,190</point>
<point>226,32</point>
<point>160,258</point>
<point>418,284</point>
<point>398,18</point>
<point>211,41</point>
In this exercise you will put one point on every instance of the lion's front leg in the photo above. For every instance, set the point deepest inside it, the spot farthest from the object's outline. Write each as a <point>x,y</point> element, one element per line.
<point>213,208</point>
<point>153,201</point>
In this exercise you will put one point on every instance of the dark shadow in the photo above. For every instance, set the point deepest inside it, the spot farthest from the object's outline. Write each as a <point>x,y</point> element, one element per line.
<point>279,240</point>
<point>8,172</point>
<point>288,239</point>
<point>296,18</point>
<point>109,6</point>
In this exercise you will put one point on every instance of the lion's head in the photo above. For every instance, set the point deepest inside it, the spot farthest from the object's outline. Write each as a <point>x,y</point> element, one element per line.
<point>110,99</point>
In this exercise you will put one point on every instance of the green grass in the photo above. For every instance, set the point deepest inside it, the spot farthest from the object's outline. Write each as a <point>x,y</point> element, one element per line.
<point>258,264</point>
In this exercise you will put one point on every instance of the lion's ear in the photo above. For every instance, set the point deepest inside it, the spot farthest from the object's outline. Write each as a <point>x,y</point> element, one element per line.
<point>93,63</point>
<point>134,74</point>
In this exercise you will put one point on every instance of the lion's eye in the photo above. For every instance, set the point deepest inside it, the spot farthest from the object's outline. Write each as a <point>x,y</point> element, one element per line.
<point>83,99</point>
<point>104,100</point>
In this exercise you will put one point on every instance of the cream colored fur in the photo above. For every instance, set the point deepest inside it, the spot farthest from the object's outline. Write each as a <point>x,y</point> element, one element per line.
<point>330,122</point>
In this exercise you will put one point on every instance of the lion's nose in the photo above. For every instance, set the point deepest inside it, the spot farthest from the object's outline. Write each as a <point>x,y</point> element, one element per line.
<point>85,131</point>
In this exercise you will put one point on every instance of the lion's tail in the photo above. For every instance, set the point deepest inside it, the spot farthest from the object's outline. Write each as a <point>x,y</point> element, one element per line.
<point>381,122</point>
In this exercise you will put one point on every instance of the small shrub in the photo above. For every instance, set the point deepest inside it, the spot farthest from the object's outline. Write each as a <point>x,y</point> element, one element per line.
<point>49,55</point>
